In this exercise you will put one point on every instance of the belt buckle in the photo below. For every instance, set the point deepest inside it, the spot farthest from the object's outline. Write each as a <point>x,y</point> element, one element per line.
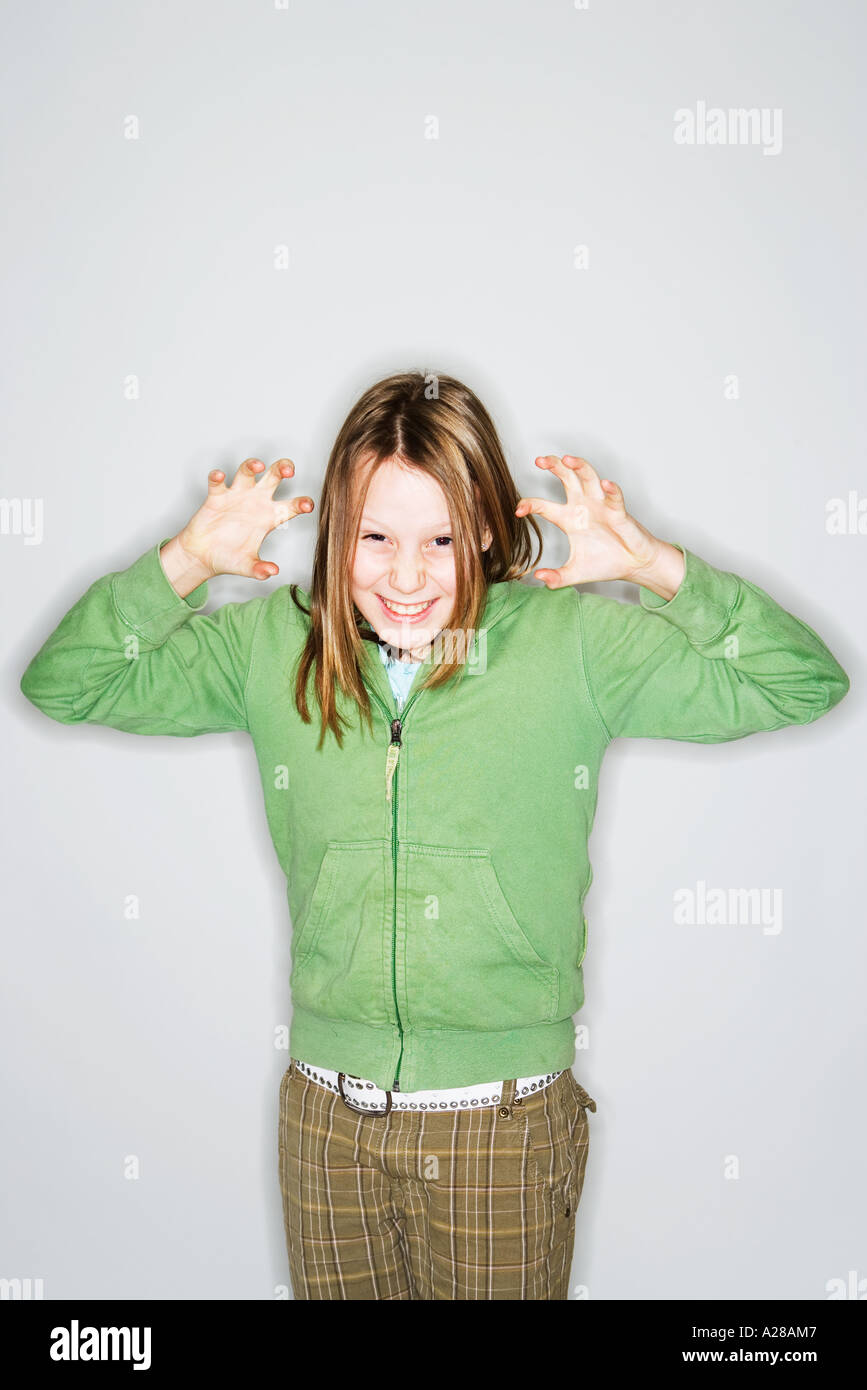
<point>357,1108</point>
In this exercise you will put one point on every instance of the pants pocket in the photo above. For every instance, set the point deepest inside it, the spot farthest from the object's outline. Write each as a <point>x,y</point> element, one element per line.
<point>550,1122</point>
<point>283,1106</point>
<point>576,1103</point>
<point>582,1097</point>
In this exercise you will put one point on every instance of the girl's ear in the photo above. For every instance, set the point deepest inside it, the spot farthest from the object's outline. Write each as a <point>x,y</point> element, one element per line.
<point>486,534</point>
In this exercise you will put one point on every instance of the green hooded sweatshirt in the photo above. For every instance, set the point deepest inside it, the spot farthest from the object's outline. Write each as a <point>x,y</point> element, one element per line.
<point>436,871</point>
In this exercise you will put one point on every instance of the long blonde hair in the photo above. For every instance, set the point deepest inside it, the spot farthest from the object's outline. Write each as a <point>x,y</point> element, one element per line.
<point>438,425</point>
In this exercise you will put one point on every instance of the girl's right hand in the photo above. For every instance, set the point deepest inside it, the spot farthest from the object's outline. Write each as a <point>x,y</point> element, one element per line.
<point>226,532</point>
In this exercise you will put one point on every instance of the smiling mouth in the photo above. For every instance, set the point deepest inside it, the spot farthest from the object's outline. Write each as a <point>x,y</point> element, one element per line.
<point>408,612</point>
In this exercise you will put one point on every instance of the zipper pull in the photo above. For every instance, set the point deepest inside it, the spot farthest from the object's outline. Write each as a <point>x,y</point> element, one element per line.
<point>392,757</point>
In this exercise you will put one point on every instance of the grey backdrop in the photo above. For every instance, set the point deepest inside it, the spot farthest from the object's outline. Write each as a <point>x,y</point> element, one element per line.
<point>158,258</point>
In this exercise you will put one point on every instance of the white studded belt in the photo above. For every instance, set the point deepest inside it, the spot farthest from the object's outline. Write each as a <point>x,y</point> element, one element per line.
<point>360,1094</point>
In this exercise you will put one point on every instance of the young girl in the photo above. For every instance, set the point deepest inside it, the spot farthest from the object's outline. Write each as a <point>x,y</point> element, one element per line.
<point>429,732</point>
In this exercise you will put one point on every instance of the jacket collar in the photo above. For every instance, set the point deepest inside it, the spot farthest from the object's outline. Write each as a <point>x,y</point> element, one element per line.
<point>502,598</point>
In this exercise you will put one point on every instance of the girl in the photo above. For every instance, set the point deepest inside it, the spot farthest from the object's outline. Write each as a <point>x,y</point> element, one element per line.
<point>429,732</point>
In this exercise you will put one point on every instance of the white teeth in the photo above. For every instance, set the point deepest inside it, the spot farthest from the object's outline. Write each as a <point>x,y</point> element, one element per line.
<point>406,609</point>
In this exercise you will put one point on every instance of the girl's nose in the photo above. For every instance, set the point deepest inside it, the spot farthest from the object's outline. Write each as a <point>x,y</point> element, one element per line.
<point>407,576</point>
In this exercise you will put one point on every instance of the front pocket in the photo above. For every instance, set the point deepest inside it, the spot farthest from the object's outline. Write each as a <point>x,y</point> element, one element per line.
<point>305,933</point>
<point>550,1152</point>
<point>584,1098</point>
<point>282,1106</point>
<point>580,959</point>
<point>464,961</point>
<point>577,1106</point>
<point>340,956</point>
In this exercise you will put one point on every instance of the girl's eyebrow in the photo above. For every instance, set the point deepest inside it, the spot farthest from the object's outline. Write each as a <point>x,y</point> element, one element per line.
<point>436,525</point>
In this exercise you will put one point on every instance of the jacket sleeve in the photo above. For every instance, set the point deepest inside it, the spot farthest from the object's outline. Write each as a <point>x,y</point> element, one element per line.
<point>718,661</point>
<point>133,654</point>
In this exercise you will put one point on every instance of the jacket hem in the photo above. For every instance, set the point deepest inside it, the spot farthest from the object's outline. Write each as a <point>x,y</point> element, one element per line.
<point>432,1058</point>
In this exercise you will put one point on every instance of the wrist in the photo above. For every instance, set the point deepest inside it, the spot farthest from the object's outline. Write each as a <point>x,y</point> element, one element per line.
<point>184,572</point>
<point>663,575</point>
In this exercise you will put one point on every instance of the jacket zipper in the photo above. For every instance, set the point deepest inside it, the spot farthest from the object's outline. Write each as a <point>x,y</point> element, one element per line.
<point>394,746</point>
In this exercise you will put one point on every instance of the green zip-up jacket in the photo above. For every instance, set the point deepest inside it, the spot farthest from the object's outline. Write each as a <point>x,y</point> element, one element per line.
<point>437,871</point>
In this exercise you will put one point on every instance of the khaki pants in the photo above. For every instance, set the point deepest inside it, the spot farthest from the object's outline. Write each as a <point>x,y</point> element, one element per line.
<point>464,1204</point>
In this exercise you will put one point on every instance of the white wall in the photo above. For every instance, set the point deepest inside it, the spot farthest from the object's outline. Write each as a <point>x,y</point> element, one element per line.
<point>154,257</point>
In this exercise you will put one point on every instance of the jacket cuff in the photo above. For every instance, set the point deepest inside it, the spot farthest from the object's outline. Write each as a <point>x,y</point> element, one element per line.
<point>146,601</point>
<point>703,603</point>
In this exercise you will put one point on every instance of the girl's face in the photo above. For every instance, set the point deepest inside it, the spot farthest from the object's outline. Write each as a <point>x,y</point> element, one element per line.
<point>403,575</point>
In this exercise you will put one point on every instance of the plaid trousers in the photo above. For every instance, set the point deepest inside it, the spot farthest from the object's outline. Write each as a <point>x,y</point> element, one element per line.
<point>448,1204</point>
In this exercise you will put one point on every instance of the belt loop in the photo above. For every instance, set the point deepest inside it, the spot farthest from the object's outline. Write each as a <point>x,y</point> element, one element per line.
<point>507,1096</point>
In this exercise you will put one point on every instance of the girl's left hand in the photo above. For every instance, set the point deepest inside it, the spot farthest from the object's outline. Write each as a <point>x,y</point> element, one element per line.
<point>605,542</point>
